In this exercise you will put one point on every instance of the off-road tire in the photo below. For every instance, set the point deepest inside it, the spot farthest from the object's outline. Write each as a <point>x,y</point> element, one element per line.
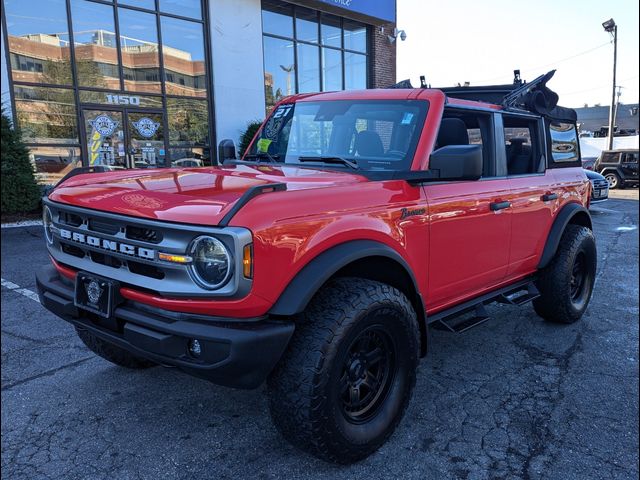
<point>562,299</point>
<point>614,181</point>
<point>304,390</point>
<point>111,352</point>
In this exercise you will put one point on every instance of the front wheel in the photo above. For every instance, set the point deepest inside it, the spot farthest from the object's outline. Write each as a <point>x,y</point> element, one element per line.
<point>343,385</point>
<point>566,284</point>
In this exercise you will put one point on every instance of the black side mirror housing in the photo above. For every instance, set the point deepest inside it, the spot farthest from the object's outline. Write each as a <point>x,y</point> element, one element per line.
<point>457,162</point>
<point>226,150</point>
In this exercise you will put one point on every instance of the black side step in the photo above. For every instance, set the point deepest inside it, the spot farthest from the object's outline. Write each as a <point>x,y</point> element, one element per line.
<point>516,294</point>
<point>519,297</point>
<point>450,323</point>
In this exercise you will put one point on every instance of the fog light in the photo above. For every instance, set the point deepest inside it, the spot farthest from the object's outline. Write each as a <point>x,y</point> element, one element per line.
<point>194,347</point>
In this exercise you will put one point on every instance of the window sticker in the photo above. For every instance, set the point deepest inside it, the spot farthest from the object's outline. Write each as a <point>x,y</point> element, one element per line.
<point>263,145</point>
<point>274,123</point>
<point>406,119</point>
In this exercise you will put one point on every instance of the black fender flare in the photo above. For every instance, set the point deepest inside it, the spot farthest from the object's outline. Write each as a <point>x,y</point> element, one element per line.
<point>557,229</point>
<point>321,268</point>
<point>615,170</point>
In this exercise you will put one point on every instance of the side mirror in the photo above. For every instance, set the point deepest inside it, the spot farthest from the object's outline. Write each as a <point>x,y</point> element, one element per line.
<point>226,150</point>
<point>457,162</point>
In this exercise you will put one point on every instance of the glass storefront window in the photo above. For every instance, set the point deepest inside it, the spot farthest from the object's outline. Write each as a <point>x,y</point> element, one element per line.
<point>294,64</point>
<point>139,50</point>
<point>355,36</point>
<point>148,4</point>
<point>355,71</point>
<point>38,41</point>
<point>308,68</point>
<point>95,44</point>
<point>184,58</point>
<point>156,113</point>
<point>278,20</point>
<point>184,8</point>
<point>331,69</point>
<point>188,122</point>
<point>46,115</point>
<point>331,32</point>
<point>189,157</point>
<point>306,25</point>
<point>53,163</point>
<point>279,69</point>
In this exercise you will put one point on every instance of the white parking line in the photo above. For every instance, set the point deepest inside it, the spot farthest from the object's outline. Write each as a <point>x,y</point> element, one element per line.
<point>25,223</point>
<point>22,291</point>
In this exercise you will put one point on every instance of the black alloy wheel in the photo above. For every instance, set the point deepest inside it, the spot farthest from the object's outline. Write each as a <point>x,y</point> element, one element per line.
<point>367,375</point>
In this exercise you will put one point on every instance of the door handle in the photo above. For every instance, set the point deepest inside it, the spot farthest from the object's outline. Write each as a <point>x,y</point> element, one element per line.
<point>549,196</point>
<point>494,206</point>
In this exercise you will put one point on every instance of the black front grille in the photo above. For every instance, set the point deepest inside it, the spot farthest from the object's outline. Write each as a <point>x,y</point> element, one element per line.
<point>145,269</point>
<point>72,250</point>
<point>70,219</point>
<point>107,260</point>
<point>103,226</point>
<point>143,234</point>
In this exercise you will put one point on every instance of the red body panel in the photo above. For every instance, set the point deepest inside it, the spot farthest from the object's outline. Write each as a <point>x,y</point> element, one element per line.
<point>458,249</point>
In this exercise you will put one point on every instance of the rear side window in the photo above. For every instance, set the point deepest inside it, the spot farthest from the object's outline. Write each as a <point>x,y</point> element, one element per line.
<point>564,145</point>
<point>630,157</point>
<point>610,157</point>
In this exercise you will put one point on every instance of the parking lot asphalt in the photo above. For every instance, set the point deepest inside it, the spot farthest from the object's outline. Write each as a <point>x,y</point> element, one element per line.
<point>513,398</point>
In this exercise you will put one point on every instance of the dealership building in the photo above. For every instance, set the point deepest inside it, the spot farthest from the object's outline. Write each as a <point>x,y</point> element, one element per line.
<point>147,83</point>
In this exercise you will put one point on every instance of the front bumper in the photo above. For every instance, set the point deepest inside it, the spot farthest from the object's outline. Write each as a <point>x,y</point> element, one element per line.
<point>235,353</point>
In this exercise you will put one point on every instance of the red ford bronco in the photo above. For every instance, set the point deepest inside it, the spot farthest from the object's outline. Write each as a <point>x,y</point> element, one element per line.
<point>318,261</point>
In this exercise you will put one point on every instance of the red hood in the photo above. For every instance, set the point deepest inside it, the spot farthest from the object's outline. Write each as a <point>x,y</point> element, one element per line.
<point>185,195</point>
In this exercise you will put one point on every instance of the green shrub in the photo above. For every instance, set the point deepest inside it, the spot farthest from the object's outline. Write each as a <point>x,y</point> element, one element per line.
<point>247,136</point>
<point>20,191</point>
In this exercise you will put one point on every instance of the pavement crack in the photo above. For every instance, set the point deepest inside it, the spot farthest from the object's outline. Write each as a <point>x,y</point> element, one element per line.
<point>10,385</point>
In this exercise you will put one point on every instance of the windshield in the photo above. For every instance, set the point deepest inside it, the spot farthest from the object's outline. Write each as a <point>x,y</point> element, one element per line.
<point>366,134</point>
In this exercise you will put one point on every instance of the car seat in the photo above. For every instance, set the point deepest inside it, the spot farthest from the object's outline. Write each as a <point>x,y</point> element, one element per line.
<point>369,144</point>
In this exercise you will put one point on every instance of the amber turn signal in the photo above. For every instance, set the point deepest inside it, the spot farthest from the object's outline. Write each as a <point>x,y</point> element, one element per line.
<point>168,257</point>
<point>247,261</point>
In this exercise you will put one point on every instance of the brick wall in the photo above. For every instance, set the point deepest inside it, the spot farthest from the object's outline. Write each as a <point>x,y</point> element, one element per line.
<point>383,58</point>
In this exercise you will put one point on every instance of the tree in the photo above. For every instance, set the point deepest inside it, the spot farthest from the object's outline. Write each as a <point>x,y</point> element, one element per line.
<point>247,136</point>
<point>20,191</point>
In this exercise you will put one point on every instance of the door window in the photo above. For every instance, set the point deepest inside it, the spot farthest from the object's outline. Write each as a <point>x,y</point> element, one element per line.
<point>630,158</point>
<point>522,146</point>
<point>468,128</point>
<point>105,137</point>
<point>145,139</point>
<point>139,145</point>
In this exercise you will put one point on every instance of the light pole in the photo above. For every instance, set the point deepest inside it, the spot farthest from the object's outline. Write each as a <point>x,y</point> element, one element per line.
<point>611,27</point>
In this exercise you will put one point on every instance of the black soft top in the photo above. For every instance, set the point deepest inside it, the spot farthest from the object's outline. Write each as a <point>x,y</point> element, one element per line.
<point>533,97</point>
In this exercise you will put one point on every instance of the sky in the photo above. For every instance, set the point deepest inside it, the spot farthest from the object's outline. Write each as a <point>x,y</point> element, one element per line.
<point>482,42</point>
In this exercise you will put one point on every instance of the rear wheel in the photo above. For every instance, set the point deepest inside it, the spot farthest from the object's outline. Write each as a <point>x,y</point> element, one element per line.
<point>566,284</point>
<point>614,180</point>
<point>343,385</point>
<point>111,352</point>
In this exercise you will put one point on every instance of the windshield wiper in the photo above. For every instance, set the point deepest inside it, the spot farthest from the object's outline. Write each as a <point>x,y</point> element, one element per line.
<point>340,160</point>
<point>261,155</point>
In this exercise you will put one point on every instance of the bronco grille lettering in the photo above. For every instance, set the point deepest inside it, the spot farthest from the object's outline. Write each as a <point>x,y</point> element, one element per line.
<point>111,245</point>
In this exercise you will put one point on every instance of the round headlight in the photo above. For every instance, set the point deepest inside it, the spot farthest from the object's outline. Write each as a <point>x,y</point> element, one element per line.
<point>212,265</point>
<point>47,223</point>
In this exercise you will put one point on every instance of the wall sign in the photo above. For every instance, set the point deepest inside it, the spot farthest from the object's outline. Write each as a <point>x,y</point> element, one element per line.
<point>123,99</point>
<point>381,9</point>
